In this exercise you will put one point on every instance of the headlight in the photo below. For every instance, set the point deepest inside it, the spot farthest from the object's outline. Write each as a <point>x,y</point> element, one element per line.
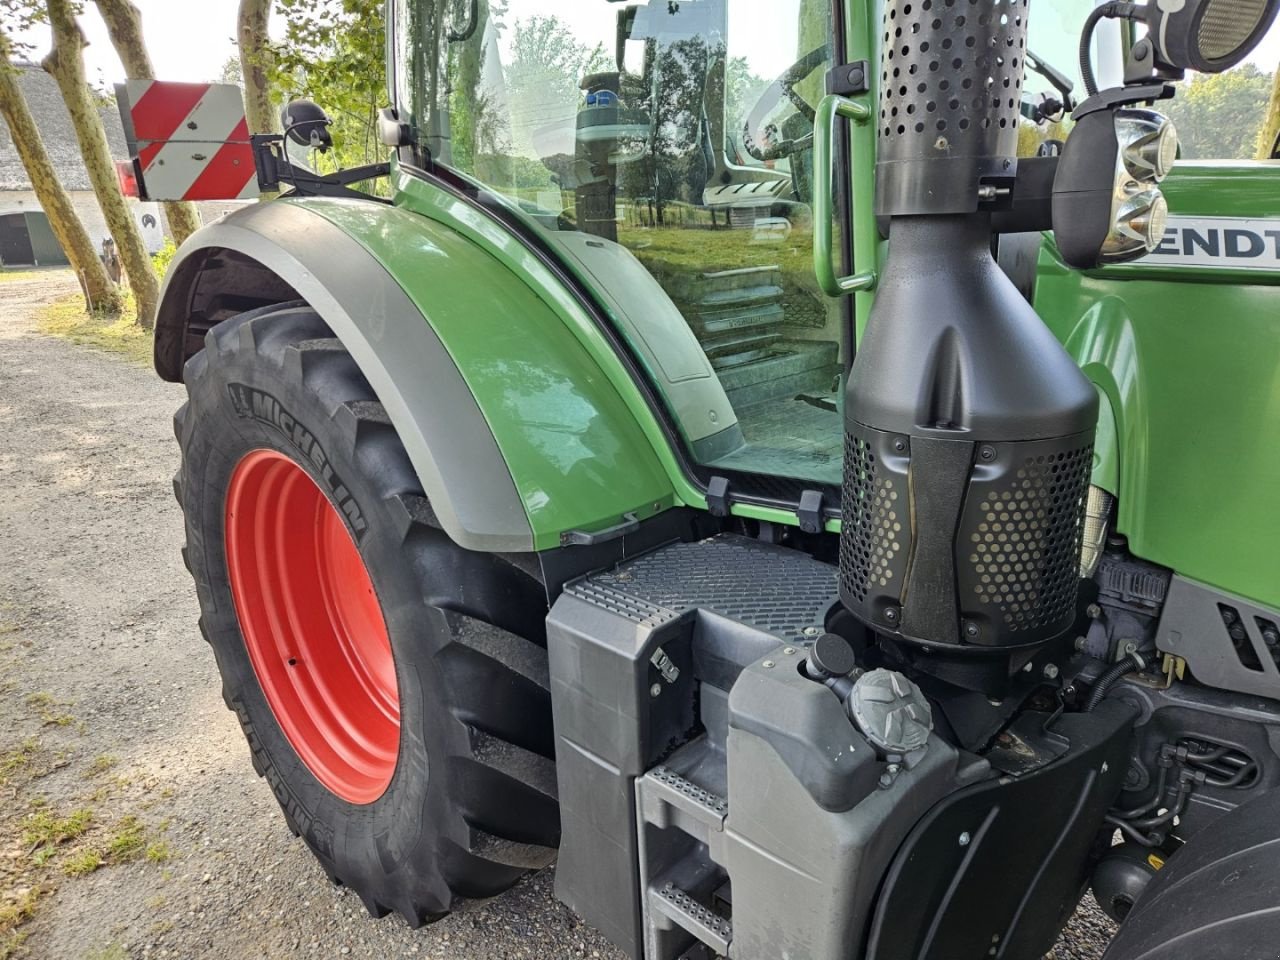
<point>1137,226</point>
<point>1148,144</point>
<point>1107,205</point>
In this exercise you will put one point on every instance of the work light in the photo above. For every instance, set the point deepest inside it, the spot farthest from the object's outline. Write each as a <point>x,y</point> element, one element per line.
<point>1207,35</point>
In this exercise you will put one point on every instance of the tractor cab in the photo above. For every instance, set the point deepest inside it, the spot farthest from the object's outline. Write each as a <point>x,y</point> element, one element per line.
<point>664,151</point>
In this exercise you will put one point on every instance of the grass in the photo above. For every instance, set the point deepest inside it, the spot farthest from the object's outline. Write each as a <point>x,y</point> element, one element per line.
<point>45,704</point>
<point>20,910</point>
<point>18,274</point>
<point>101,764</point>
<point>82,863</point>
<point>16,758</point>
<point>44,828</point>
<point>68,318</point>
<point>112,951</point>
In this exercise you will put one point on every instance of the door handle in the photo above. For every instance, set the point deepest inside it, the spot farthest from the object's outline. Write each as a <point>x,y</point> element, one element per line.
<point>830,109</point>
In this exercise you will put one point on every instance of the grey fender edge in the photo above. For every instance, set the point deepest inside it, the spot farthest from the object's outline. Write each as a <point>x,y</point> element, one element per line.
<point>430,405</point>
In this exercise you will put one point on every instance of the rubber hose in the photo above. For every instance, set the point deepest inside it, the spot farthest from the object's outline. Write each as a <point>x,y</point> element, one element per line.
<point>1130,663</point>
<point>1086,53</point>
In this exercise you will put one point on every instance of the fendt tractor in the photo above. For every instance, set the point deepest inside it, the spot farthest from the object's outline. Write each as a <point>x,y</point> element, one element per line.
<point>798,464</point>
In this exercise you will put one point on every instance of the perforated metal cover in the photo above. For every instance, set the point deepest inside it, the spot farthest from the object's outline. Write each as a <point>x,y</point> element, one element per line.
<point>1022,533</point>
<point>874,517</point>
<point>950,91</point>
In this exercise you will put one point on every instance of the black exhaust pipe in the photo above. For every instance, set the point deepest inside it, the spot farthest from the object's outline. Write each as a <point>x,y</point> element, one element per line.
<point>969,430</point>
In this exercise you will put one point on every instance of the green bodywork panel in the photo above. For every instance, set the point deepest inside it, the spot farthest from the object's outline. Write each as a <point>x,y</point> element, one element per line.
<point>578,455</point>
<point>1188,360</point>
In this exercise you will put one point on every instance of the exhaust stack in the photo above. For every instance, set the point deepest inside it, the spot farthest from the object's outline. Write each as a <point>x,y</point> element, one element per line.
<point>969,430</point>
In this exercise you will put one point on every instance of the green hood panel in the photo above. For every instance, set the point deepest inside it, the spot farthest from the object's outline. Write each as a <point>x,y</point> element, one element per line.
<point>578,456</point>
<point>1191,370</point>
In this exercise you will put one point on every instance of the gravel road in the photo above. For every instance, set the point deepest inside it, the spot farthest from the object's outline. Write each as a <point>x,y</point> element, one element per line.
<point>109,704</point>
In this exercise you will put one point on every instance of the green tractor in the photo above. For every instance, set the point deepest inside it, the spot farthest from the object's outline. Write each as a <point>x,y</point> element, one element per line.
<point>799,464</point>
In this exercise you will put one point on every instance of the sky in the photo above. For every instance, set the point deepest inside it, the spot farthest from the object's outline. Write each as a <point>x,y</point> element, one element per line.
<point>190,40</point>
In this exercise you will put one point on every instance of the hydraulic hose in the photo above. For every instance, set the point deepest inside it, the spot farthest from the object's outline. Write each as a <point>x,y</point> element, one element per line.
<point>1130,663</point>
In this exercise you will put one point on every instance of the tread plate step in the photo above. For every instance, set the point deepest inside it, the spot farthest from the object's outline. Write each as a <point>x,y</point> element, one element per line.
<point>709,927</point>
<point>667,785</point>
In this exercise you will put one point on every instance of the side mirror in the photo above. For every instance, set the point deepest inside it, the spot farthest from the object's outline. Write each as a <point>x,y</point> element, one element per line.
<point>307,125</point>
<point>1208,36</point>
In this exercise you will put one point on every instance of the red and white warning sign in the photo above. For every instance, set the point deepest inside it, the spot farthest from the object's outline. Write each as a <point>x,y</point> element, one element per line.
<point>189,141</point>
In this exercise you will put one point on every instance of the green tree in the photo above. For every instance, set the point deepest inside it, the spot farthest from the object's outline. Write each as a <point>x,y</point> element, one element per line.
<point>334,52</point>
<point>1218,115</point>
<point>544,75</point>
<point>1270,128</point>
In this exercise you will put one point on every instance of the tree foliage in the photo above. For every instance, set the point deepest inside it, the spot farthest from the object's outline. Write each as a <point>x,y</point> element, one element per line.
<point>334,52</point>
<point>1218,115</point>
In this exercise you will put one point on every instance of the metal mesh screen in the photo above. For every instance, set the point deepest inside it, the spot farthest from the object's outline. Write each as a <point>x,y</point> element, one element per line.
<point>1227,24</point>
<point>1024,548</point>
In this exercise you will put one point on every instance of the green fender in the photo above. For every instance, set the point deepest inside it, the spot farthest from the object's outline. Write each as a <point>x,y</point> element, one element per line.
<point>516,434</point>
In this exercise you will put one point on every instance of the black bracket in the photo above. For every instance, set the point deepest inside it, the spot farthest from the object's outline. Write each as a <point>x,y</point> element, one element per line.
<point>275,169</point>
<point>580,538</point>
<point>849,78</point>
<point>810,511</point>
<point>718,497</point>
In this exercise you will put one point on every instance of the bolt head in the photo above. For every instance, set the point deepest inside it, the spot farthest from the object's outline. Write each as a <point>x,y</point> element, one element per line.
<point>971,629</point>
<point>1094,611</point>
<point>767,664</point>
<point>788,650</point>
<point>987,453</point>
<point>891,614</point>
<point>900,445</point>
<point>1051,671</point>
<point>965,838</point>
<point>811,631</point>
<point>655,690</point>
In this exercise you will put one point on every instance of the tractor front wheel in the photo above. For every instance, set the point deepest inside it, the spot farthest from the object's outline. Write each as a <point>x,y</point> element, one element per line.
<point>392,686</point>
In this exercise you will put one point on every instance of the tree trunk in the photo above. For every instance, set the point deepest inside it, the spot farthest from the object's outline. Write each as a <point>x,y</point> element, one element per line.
<point>124,23</point>
<point>66,63</point>
<point>1271,122</point>
<point>102,294</point>
<point>255,63</point>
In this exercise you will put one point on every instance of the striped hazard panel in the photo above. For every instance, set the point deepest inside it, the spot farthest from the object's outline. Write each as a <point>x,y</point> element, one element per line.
<point>188,141</point>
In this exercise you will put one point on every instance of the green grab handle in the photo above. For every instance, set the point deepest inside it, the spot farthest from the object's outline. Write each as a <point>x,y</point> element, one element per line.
<point>830,109</point>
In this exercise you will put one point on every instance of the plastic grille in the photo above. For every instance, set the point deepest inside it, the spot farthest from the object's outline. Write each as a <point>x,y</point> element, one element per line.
<point>873,523</point>
<point>948,77</point>
<point>1227,24</point>
<point>1025,550</point>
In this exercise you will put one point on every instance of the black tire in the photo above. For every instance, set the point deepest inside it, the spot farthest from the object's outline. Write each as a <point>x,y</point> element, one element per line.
<point>471,805</point>
<point>1218,898</point>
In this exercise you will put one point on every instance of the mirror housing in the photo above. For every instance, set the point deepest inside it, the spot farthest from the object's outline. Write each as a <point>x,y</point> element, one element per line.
<point>1208,36</point>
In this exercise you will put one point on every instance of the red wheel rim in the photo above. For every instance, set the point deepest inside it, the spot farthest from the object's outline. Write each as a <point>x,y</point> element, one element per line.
<point>313,626</point>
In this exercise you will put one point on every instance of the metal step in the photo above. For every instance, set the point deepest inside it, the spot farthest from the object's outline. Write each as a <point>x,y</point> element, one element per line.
<point>738,349</point>
<point>792,367</point>
<point>691,916</point>
<point>668,786</point>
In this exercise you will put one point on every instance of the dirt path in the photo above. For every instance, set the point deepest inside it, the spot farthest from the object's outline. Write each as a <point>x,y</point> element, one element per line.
<point>109,704</point>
